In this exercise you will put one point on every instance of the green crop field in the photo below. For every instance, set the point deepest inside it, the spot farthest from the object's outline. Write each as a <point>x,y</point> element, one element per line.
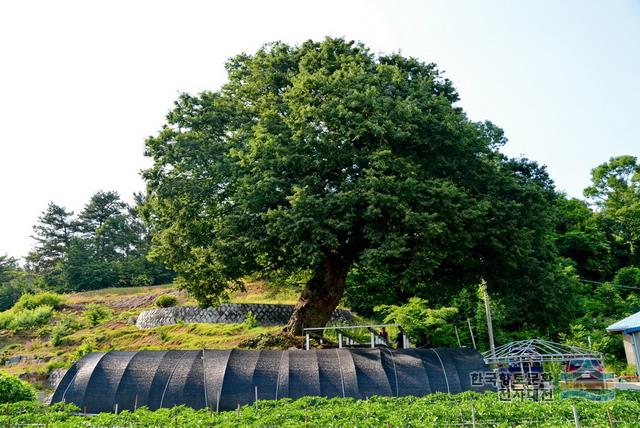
<point>437,410</point>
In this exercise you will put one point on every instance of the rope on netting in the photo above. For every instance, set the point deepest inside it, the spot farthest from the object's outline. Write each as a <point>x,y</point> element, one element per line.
<point>170,376</point>
<point>341,375</point>
<point>443,370</point>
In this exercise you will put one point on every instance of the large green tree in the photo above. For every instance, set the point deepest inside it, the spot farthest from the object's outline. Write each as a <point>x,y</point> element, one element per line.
<point>53,234</point>
<point>8,268</point>
<point>105,222</point>
<point>581,238</point>
<point>323,157</point>
<point>615,192</point>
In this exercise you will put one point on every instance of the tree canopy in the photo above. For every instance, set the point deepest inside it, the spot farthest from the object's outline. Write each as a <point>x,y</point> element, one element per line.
<point>323,157</point>
<point>53,234</point>
<point>104,246</point>
<point>615,192</point>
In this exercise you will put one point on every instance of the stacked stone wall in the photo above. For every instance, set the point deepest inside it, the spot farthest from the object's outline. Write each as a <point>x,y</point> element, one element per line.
<point>226,313</point>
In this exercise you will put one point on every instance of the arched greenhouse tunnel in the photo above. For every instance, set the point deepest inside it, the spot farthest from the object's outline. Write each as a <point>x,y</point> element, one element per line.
<point>224,379</point>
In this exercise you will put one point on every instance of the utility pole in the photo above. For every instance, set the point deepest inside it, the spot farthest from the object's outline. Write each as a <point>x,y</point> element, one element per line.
<point>487,308</point>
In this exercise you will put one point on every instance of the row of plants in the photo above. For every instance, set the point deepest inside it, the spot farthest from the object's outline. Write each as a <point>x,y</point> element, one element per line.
<point>433,410</point>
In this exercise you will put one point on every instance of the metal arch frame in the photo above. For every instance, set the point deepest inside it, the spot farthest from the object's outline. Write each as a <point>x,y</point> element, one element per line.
<point>310,330</point>
<point>537,350</point>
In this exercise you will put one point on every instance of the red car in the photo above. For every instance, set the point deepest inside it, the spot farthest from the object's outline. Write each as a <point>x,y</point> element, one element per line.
<point>585,373</point>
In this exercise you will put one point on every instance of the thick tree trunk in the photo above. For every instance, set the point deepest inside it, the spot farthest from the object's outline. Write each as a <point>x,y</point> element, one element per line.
<point>320,296</point>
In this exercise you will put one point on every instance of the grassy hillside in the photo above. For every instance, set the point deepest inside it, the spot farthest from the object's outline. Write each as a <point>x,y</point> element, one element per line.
<point>41,351</point>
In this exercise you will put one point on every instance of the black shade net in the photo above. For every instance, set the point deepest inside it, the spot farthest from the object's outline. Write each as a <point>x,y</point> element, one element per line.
<point>224,379</point>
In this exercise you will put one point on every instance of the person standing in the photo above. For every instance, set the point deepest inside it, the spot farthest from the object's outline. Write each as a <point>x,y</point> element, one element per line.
<point>400,338</point>
<point>384,335</point>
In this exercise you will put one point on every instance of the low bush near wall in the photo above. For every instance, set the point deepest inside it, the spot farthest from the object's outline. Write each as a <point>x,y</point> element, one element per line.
<point>437,410</point>
<point>166,301</point>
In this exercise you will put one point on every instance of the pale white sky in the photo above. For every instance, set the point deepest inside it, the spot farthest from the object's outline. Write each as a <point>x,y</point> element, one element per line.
<point>83,83</point>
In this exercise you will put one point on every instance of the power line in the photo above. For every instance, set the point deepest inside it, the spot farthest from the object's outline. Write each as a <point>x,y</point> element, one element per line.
<point>610,283</point>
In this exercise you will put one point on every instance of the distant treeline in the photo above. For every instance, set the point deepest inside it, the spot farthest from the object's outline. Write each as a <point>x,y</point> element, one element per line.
<point>105,245</point>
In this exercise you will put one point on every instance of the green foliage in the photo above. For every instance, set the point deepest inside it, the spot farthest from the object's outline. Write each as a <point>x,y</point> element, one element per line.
<point>25,319</point>
<point>594,338</point>
<point>166,301</point>
<point>14,282</point>
<point>325,157</point>
<point>82,270</point>
<point>135,271</point>
<point>87,347</point>
<point>581,238</point>
<point>6,319</point>
<point>629,370</point>
<point>106,245</point>
<point>8,269</point>
<point>164,335</point>
<point>436,410</point>
<point>368,287</point>
<point>250,321</point>
<point>97,314</point>
<point>52,234</point>
<point>273,340</point>
<point>600,305</point>
<point>424,326</point>
<point>32,301</point>
<point>11,291</point>
<point>628,277</point>
<point>615,190</point>
<point>66,325</point>
<point>13,390</point>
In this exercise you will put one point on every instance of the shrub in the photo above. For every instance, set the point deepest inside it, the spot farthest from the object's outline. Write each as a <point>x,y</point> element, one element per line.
<point>57,364</point>
<point>31,318</point>
<point>250,321</point>
<point>32,301</point>
<point>96,314</point>
<point>86,348</point>
<point>6,318</point>
<point>164,335</point>
<point>166,301</point>
<point>628,370</point>
<point>65,326</point>
<point>13,390</point>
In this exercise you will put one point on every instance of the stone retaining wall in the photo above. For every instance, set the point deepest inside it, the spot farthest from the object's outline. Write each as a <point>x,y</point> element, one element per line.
<point>226,313</point>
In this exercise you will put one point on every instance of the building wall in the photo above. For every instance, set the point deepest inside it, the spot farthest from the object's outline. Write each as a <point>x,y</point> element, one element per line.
<point>628,349</point>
